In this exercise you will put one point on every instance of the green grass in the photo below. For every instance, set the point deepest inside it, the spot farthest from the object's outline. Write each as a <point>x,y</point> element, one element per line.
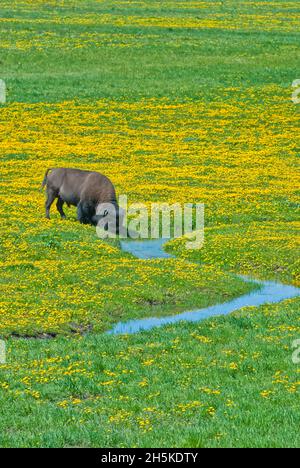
<point>182,386</point>
<point>262,250</point>
<point>130,61</point>
<point>69,280</point>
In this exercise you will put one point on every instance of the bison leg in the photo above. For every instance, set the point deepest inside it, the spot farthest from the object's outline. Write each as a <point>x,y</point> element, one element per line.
<point>59,206</point>
<point>51,195</point>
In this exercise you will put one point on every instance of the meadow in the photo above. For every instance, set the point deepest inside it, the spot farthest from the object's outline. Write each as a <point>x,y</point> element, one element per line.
<point>176,101</point>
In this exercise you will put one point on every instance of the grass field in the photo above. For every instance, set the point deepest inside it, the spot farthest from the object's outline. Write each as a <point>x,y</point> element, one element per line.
<point>176,101</point>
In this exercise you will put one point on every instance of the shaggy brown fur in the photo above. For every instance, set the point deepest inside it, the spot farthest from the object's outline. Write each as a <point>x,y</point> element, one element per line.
<point>86,190</point>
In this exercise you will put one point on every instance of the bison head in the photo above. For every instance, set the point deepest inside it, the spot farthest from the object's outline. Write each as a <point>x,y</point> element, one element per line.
<point>109,217</point>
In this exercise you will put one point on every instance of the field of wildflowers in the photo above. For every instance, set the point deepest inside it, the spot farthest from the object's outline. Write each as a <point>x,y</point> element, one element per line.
<point>176,101</point>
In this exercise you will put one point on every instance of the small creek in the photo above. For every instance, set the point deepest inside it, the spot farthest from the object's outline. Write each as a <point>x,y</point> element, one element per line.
<point>269,292</point>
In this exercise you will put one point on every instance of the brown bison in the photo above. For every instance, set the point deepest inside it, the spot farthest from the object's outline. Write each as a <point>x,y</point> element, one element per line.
<point>89,191</point>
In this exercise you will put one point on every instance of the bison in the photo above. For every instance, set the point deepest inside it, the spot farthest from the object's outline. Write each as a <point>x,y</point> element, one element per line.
<point>91,192</point>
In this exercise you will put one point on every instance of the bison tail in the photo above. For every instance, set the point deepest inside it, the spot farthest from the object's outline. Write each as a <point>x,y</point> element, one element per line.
<point>45,179</point>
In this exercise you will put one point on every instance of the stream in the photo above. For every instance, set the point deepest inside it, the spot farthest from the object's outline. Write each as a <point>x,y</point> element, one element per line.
<point>269,292</point>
